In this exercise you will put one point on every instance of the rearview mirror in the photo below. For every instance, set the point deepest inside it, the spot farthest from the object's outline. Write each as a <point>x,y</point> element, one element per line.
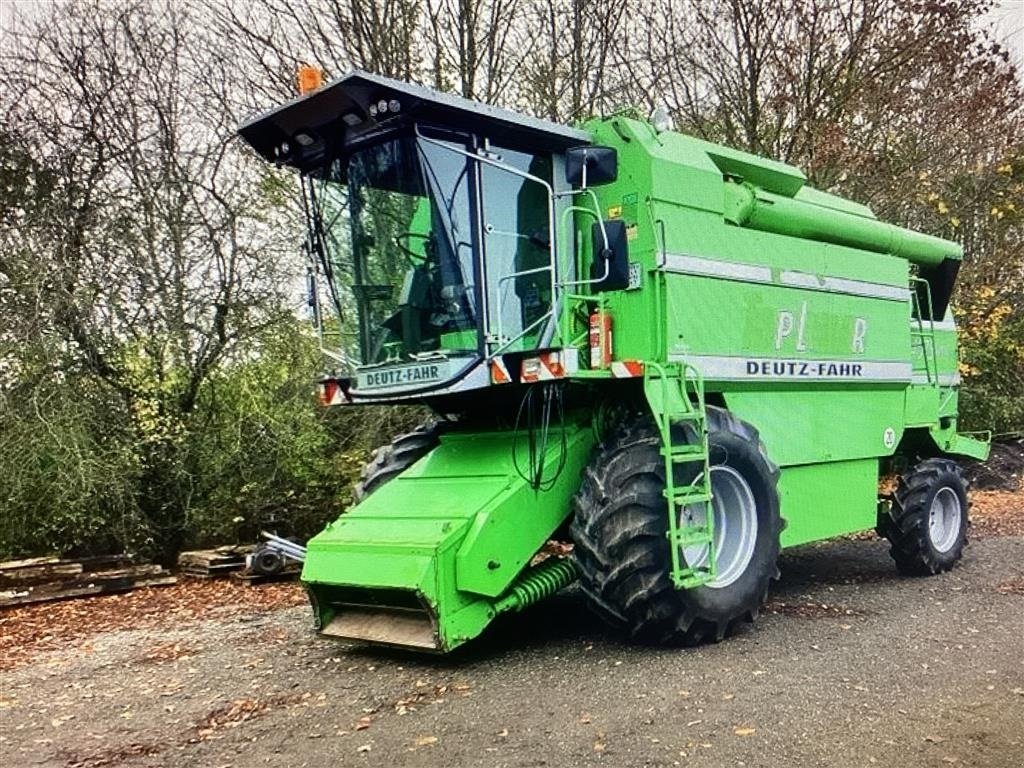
<point>610,266</point>
<point>590,166</point>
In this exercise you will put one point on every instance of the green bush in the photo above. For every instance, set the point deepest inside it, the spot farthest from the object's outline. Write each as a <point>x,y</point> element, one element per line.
<point>83,471</point>
<point>992,395</point>
<point>68,471</point>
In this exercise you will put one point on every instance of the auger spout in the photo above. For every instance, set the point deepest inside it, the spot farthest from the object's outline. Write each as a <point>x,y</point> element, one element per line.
<point>748,206</point>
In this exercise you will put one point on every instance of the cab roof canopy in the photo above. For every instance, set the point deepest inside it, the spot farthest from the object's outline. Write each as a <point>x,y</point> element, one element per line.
<point>319,125</point>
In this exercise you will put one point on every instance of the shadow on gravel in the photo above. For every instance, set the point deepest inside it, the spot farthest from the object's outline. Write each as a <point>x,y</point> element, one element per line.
<point>565,619</point>
<point>833,563</point>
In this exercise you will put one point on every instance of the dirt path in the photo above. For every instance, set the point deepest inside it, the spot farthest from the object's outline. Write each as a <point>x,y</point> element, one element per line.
<point>852,666</point>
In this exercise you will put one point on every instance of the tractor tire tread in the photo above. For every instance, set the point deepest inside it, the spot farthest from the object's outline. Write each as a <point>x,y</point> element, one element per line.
<point>906,526</point>
<point>618,526</point>
<point>389,461</point>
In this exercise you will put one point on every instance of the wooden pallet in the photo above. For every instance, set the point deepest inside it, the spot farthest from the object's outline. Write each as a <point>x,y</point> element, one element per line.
<point>249,579</point>
<point>16,574</point>
<point>26,582</point>
<point>213,563</point>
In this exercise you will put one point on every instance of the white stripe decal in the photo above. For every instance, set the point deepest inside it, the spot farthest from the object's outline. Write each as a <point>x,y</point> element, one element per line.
<point>944,325</point>
<point>753,273</point>
<point>945,379</point>
<point>843,285</point>
<point>728,270</point>
<point>788,369</point>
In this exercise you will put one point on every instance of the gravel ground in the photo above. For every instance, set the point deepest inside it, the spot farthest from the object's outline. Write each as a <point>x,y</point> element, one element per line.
<point>852,665</point>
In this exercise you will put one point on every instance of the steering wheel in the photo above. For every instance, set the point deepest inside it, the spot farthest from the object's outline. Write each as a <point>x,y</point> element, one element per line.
<point>401,242</point>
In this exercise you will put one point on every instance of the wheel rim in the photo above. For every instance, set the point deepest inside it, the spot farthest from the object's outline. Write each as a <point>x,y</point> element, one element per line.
<point>735,526</point>
<point>944,518</point>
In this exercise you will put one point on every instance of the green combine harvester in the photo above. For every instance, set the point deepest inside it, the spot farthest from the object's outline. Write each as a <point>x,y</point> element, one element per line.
<point>674,354</point>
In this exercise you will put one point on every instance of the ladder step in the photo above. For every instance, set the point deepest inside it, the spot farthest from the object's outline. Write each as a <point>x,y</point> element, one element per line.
<point>687,450</point>
<point>689,536</point>
<point>695,416</point>
<point>694,578</point>
<point>680,454</point>
<point>685,498</point>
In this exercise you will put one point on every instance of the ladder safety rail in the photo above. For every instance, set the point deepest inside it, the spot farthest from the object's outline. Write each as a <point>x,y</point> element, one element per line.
<point>675,393</point>
<point>925,336</point>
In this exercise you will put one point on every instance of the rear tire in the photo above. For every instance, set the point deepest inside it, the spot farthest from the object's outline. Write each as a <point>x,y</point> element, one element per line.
<point>393,459</point>
<point>927,525</point>
<point>620,524</point>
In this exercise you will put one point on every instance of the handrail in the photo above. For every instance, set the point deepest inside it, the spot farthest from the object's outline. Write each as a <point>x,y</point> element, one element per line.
<point>607,265</point>
<point>929,335</point>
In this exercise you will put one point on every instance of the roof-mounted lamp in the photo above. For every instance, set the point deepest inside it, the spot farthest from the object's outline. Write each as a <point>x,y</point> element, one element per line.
<point>309,78</point>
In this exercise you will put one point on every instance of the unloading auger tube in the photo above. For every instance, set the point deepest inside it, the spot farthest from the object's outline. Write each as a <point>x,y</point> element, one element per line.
<point>747,206</point>
<point>730,359</point>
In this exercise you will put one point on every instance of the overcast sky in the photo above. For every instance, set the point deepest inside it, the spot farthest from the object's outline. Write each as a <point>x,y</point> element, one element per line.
<point>1007,20</point>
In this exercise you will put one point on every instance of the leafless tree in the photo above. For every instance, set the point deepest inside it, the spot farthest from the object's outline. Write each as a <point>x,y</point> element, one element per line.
<point>156,255</point>
<point>472,45</point>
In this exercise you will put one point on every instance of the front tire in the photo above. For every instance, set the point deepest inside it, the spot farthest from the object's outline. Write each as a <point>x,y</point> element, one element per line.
<point>620,527</point>
<point>927,525</point>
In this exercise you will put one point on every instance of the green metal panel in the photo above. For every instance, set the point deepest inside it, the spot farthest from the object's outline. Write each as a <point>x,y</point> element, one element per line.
<point>824,500</point>
<point>975,446</point>
<point>922,405</point>
<point>453,532</point>
<point>804,426</point>
<point>731,318</point>
<point>512,527</point>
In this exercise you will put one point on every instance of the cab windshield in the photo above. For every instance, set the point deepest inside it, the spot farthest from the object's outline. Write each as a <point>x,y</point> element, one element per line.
<point>402,227</point>
<point>393,223</point>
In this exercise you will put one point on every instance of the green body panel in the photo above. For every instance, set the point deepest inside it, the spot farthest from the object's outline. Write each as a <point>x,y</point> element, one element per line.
<point>973,446</point>
<point>801,426</point>
<point>824,500</point>
<point>447,537</point>
<point>922,404</point>
<point>793,304</point>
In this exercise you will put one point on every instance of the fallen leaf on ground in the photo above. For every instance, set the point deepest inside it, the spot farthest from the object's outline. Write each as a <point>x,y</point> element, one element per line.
<point>997,513</point>
<point>29,630</point>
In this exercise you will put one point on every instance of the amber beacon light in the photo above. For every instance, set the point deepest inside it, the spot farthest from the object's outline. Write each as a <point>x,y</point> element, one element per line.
<point>309,78</point>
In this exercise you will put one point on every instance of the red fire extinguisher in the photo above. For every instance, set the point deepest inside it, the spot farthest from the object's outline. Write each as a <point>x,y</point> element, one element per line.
<point>600,340</point>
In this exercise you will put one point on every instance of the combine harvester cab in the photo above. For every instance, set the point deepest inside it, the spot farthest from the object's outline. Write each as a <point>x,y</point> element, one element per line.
<point>679,355</point>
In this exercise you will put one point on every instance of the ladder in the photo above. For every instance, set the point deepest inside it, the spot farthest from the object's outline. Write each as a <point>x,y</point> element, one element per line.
<point>675,393</point>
